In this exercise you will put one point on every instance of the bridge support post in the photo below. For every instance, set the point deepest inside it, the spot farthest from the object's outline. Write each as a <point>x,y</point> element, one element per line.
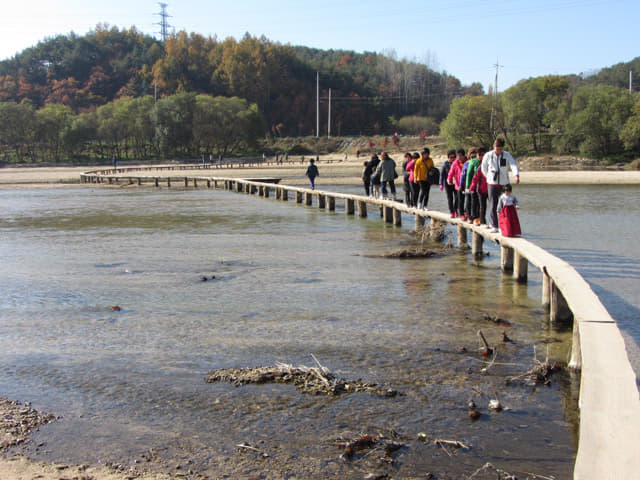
<point>387,214</point>
<point>186,181</point>
<point>157,182</point>
<point>349,206</point>
<point>397,217</point>
<point>208,183</point>
<point>308,198</point>
<point>169,182</point>
<point>462,236</point>
<point>506,259</point>
<point>520,266</point>
<point>362,208</point>
<point>418,222</point>
<point>298,197</point>
<point>546,289</point>
<point>559,311</point>
<point>575,362</point>
<point>284,195</point>
<point>321,201</point>
<point>332,204</point>
<point>139,181</point>
<point>266,192</point>
<point>477,241</point>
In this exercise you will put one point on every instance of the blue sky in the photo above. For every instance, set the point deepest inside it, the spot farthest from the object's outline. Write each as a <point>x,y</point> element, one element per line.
<point>462,37</point>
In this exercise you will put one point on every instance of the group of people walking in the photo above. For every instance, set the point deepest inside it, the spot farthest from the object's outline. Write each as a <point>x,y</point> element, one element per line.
<point>419,173</point>
<point>470,182</point>
<point>482,177</point>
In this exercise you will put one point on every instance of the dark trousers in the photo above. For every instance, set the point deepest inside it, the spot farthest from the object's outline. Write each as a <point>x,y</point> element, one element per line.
<point>367,186</point>
<point>460,196</point>
<point>474,209</point>
<point>392,186</point>
<point>408,193</point>
<point>448,189</point>
<point>482,207</point>
<point>416,193</point>
<point>468,204</point>
<point>494,195</point>
<point>423,197</point>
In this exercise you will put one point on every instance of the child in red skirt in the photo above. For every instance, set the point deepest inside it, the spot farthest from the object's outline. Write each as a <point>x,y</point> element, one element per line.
<point>507,213</point>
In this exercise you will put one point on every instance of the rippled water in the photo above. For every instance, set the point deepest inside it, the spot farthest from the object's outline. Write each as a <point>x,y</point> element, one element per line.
<point>289,281</point>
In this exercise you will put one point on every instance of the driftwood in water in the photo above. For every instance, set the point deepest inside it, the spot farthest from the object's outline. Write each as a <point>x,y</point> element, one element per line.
<point>488,471</point>
<point>415,252</point>
<point>450,443</point>
<point>487,349</point>
<point>368,445</point>
<point>497,320</point>
<point>318,380</point>
<point>540,373</point>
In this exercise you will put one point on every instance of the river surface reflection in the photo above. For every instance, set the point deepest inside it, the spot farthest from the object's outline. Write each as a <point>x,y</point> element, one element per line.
<point>289,281</point>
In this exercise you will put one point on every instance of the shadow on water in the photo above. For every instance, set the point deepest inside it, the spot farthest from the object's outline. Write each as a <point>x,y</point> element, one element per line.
<point>600,264</point>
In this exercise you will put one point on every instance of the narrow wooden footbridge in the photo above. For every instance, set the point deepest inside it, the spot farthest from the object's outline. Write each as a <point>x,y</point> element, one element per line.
<point>609,400</point>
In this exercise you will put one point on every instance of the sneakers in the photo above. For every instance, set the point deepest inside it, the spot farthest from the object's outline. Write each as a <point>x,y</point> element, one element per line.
<point>454,214</point>
<point>494,230</point>
<point>463,217</point>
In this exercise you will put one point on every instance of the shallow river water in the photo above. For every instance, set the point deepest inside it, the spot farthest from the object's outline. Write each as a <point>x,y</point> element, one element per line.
<point>290,281</point>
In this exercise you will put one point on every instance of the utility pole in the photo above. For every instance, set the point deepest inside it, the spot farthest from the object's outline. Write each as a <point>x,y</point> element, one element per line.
<point>329,119</point>
<point>317,104</point>
<point>164,24</point>
<point>630,81</point>
<point>494,104</point>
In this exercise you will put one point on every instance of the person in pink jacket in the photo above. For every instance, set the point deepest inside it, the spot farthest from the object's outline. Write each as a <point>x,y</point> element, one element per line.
<point>454,179</point>
<point>412,198</point>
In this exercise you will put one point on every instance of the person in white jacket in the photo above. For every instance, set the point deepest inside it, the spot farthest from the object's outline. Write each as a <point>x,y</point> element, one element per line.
<point>495,167</point>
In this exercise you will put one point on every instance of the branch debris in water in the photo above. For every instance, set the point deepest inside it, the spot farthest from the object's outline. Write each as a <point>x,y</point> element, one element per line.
<point>318,380</point>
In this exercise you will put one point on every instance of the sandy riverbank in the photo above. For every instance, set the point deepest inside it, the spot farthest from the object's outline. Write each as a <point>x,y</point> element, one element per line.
<point>17,421</point>
<point>337,173</point>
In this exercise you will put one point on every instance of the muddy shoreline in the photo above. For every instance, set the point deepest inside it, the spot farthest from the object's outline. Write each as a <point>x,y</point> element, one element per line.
<point>334,173</point>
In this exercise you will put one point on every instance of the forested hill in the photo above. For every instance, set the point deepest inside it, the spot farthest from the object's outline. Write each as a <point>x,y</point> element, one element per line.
<point>84,72</point>
<point>617,75</point>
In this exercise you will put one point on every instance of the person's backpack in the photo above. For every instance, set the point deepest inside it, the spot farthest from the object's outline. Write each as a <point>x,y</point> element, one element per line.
<point>433,176</point>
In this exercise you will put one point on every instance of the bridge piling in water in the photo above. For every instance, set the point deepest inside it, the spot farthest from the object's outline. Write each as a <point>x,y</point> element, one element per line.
<point>477,241</point>
<point>362,208</point>
<point>506,258</point>
<point>349,206</point>
<point>462,236</point>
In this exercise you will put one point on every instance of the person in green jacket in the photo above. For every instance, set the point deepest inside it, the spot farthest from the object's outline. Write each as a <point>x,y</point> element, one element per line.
<point>473,206</point>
